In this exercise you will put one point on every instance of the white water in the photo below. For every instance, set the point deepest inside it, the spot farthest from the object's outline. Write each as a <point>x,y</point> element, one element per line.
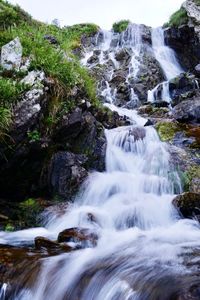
<point>169,64</point>
<point>142,240</point>
<point>131,41</point>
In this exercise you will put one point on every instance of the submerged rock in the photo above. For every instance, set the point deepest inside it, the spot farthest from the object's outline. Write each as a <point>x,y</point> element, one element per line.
<point>51,247</point>
<point>11,55</point>
<point>188,204</point>
<point>81,236</point>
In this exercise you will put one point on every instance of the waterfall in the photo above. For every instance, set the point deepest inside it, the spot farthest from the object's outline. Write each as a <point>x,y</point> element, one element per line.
<point>142,241</point>
<point>165,55</point>
<point>168,62</point>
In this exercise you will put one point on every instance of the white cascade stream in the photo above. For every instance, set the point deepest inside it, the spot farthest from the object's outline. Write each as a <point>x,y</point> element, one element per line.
<point>169,64</point>
<point>142,241</point>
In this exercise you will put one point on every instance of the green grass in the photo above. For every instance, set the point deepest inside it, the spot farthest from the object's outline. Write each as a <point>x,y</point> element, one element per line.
<point>12,15</point>
<point>58,62</point>
<point>10,91</point>
<point>180,17</point>
<point>120,26</point>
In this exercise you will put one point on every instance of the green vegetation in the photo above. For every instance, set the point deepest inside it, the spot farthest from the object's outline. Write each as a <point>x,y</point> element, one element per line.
<point>167,130</point>
<point>10,91</point>
<point>9,227</point>
<point>29,211</point>
<point>180,17</point>
<point>58,62</point>
<point>34,135</point>
<point>120,26</point>
<point>12,15</point>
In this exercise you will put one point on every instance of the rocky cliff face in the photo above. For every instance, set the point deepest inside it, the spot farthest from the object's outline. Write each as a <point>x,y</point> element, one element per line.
<point>185,39</point>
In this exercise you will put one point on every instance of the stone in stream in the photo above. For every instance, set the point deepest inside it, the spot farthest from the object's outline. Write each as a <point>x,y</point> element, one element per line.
<point>138,133</point>
<point>42,243</point>
<point>188,205</point>
<point>82,236</point>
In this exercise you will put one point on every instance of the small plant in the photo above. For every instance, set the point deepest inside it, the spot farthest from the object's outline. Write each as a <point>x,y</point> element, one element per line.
<point>9,227</point>
<point>120,26</point>
<point>34,136</point>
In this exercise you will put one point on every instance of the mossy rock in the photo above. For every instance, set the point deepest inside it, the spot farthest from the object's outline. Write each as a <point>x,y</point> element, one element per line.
<point>167,130</point>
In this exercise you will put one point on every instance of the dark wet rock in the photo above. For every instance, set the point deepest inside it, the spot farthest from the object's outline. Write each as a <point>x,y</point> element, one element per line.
<point>187,111</point>
<point>82,236</point>
<point>51,39</point>
<point>118,77</point>
<point>65,173</point>
<point>69,125</point>
<point>123,56</point>
<point>183,87</point>
<point>150,73</point>
<point>148,123</point>
<point>188,204</point>
<point>186,43</point>
<point>45,244</point>
<point>94,59</point>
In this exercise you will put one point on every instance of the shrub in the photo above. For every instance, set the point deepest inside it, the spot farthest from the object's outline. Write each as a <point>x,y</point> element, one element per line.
<point>120,26</point>
<point>180,17</point>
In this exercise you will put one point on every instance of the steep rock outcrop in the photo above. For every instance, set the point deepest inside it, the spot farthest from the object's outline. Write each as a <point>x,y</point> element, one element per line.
<point>185,39</point>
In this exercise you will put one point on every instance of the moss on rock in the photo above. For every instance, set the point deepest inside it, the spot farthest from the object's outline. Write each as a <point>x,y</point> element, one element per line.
<point>167,130</point>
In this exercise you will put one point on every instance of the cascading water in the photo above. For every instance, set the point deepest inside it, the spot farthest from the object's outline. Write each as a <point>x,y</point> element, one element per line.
<point>169,64</point>
<point>107,44</point>
<point>143,245</point>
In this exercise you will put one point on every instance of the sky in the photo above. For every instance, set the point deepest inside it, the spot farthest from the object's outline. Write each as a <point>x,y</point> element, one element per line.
<point>101,12</point>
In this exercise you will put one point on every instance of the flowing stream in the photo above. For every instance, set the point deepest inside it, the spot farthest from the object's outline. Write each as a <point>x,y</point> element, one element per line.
<point>169,64</point>
<point>143,245</point>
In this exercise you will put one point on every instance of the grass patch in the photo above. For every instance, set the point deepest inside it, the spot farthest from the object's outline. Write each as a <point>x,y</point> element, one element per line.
<point>120,26</point>
<point>57,61</point>
<point>10,91</point>
<point>180,17</point>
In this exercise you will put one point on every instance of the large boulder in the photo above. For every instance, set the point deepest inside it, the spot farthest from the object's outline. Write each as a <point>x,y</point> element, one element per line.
<point>187,111</point>
<point>11,55</point>
<point>188,205</point>
<point>183,87</point>
<point>65,173</point>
